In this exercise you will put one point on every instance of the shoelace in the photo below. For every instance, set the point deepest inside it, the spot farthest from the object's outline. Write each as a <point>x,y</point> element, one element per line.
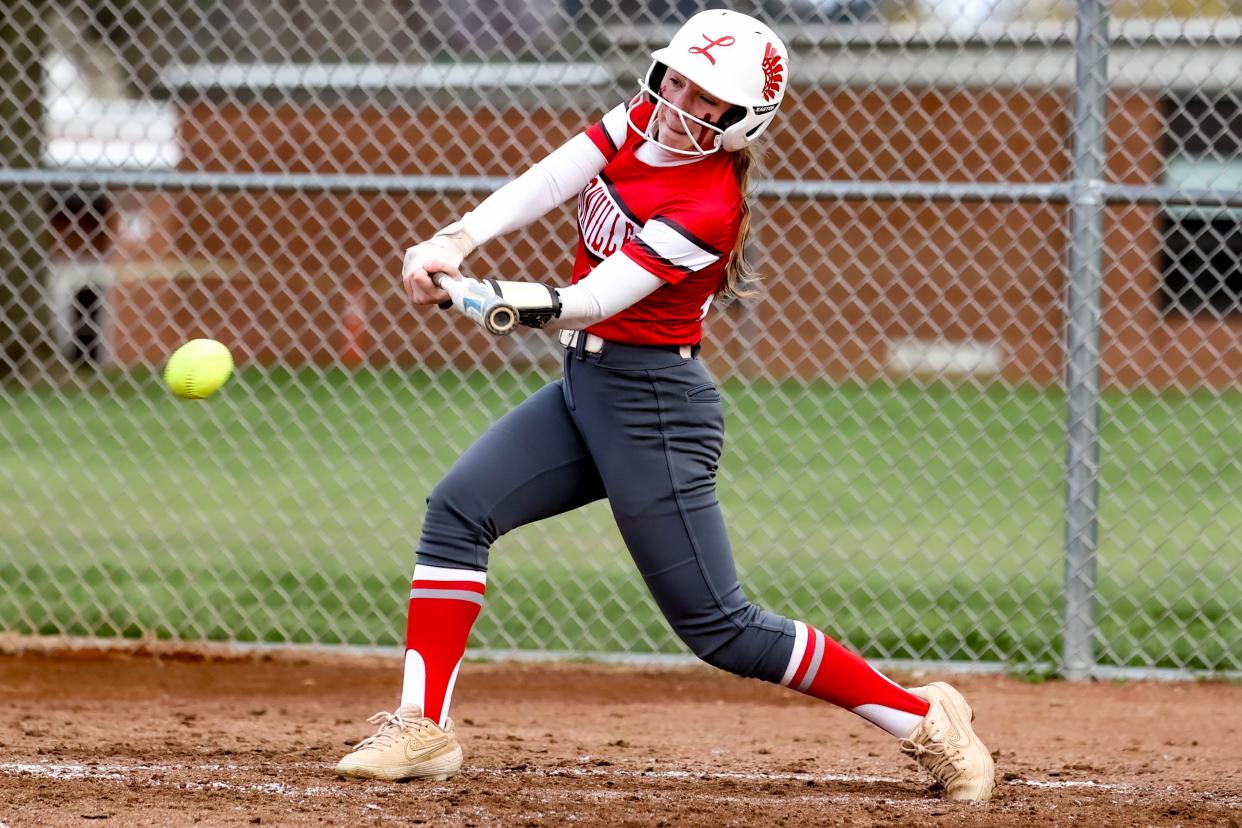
<point>942,761</point>
<point>390,727</point>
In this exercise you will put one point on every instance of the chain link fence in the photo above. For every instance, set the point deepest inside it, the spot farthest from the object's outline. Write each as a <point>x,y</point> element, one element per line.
<point>986,409</point>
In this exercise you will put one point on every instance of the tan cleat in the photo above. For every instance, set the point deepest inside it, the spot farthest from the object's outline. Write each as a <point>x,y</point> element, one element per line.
<point>946,745</point>
<point>406,746</point>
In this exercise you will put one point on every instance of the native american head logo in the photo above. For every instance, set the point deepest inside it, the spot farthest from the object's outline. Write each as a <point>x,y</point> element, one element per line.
<point>773,72</point>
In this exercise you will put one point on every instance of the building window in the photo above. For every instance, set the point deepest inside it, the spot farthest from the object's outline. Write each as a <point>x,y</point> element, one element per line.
<point>1201,255</point>
<point>1202,264</point>
<point>81,238</point>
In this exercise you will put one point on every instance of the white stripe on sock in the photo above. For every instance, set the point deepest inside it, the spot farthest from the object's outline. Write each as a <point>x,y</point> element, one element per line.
<point>816,658</point>
<point>886,678</point>
<point>897,722</point>
<point>423,572</point>
<point>448,695</point>
<point>414,684</point>
<point>448,595</point>
<point>795,658</point>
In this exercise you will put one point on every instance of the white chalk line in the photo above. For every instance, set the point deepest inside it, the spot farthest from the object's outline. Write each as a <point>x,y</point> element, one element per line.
<point>128,772</point>
<point>120,772</point>
<point>735,776</point>
<point>1119,787</point>
<point>123,772</point>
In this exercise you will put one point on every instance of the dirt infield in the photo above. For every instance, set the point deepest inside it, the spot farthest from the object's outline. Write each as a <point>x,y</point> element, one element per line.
<point>123,739</point>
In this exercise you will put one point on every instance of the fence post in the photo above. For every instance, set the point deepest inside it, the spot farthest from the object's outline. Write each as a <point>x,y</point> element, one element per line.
<point>25,339</point>
<point>1083,343</point>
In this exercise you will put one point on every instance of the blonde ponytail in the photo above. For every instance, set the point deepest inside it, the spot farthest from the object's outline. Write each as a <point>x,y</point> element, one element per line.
<point>740,276</point>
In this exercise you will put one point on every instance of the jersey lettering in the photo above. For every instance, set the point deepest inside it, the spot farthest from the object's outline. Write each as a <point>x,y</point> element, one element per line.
<point>604,226</point>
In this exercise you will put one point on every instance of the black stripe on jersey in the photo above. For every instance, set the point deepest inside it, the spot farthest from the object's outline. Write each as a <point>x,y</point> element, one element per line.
<point>681,231</point>
<point>616,197</point>
<point>608,136</point>
<point>650,252</point>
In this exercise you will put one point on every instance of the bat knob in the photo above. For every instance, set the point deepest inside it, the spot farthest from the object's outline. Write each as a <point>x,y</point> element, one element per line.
<point>501,319</point>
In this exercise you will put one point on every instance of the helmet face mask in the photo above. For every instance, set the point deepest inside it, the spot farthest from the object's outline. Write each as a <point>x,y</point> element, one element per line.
<point>732,57</point>
<point>691,125</point>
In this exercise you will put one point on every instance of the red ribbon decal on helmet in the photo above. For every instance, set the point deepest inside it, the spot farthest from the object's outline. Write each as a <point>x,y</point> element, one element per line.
<point>773,72</point>
<point>727,40</point>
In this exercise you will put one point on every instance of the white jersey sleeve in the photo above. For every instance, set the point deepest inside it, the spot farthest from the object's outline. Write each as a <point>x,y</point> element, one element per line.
<point>610,133</point>
<point>615,284</point>
<point>550,182</point>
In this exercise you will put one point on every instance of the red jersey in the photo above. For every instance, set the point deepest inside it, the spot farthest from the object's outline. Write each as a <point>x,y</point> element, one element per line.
<point>679,222</point>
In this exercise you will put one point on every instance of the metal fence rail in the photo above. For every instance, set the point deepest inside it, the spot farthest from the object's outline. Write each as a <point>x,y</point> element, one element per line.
<point>986,410</point>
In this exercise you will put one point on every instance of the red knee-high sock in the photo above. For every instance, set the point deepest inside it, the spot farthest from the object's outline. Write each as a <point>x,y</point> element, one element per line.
<point>822,668</point>
<point>444,604</point>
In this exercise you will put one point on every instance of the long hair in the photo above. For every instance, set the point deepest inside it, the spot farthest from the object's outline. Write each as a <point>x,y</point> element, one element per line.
<point>741,277</point>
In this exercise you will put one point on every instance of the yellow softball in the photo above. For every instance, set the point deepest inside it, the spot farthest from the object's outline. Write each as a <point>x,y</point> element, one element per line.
<point>198,368</point>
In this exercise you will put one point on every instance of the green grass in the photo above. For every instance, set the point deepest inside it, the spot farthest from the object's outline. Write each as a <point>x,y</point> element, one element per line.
<point>911,522</point>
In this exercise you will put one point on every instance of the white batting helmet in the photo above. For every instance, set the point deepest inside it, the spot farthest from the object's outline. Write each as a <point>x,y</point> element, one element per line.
<point>733,57</point>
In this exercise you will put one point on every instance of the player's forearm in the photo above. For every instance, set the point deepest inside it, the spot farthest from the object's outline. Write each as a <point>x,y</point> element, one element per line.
<point>614,285</point>
<point>549,183</point>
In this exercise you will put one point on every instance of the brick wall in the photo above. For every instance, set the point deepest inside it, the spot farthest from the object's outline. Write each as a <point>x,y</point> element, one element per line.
<point>281,275</point>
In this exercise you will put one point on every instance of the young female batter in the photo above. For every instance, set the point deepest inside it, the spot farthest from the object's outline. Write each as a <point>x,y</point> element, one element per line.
<point>663,219</point>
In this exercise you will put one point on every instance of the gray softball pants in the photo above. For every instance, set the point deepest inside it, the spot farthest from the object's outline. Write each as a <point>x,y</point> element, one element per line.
<point>644,428</point>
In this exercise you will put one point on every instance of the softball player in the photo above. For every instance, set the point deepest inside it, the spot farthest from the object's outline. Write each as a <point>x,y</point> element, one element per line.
<point>661,183</point>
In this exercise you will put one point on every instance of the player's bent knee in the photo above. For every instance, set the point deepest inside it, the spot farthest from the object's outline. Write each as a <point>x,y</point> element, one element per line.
<point>457,531</point>
<point>455,501</point>
<point>733,657</point>
<point>732,650</point>
<point>745,642</point>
